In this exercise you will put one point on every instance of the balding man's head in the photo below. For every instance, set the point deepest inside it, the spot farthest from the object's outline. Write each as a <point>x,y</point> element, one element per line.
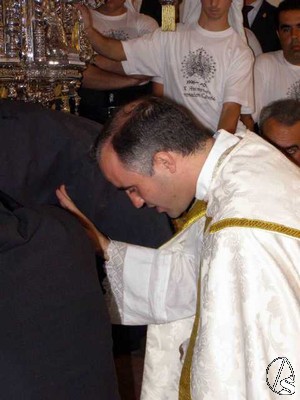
<point>279,123</point>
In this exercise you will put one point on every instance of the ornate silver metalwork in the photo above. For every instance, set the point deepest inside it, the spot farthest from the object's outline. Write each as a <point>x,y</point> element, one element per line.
<point>42,51</point>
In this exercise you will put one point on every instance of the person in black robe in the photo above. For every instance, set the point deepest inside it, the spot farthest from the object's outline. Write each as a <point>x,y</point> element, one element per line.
<point>55,340</point>
<point>40,150</point>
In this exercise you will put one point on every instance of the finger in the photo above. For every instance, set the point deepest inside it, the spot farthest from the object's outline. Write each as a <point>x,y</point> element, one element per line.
<point>67,203</point>
<point>59,194</point>
<point>64,192</point>
<point>64,199</point>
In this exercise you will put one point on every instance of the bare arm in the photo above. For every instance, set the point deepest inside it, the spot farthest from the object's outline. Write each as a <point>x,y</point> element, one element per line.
<point>96,78</point>
<point>99,241</point>
<point>106,64</point>
<point>108,47</point>
<point>247,120</point>
<point>229,117</point>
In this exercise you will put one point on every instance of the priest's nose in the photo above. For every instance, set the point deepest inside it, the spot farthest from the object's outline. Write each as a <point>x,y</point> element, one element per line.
<point>136,200</point>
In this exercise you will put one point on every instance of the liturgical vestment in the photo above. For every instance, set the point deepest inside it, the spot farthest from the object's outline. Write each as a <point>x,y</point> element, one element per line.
<point>245,252</point>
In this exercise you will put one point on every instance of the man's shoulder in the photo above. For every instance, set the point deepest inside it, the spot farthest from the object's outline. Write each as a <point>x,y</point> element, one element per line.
<point>142,18</point>
<point>182,32</point>
<point>248,184</point>
<point>180,26</point>
<point>234,38</point>
<point>260,155</point>
<point>239,41</point>
<point>273,57</point>
<point>240,48</point>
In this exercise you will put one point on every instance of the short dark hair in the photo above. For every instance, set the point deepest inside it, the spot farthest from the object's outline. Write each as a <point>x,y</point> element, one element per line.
<point>284,111</point>
<point>146,126</point>
<point>286,5</point>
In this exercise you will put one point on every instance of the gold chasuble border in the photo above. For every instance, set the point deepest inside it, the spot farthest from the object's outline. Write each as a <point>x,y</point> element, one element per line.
<point>254,223</point>
<point>197,211</point>
<point>185,378</point>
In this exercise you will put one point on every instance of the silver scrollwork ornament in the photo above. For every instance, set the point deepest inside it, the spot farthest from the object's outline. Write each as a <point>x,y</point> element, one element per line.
<point>40,52</point>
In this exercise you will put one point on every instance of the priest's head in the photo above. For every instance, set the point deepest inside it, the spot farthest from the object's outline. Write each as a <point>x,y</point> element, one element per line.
<point>154,150</point>
<point>280,124</point>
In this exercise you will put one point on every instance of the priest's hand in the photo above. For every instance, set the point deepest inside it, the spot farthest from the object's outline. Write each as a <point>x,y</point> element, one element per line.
<point>99,241</point>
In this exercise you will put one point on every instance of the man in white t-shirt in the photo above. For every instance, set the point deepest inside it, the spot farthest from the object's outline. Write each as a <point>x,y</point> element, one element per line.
<point>208,68</point>
<point>104,90</point>
<point>277,74</point>
<point>114,20</point>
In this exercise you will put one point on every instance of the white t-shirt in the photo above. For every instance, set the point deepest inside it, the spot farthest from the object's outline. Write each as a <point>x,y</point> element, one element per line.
<point>129,25</point>
<point>274,79</point>
<point>200,69</point>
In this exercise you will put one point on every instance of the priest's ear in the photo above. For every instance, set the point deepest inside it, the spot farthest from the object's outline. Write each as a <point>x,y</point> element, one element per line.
<point>165,160</point>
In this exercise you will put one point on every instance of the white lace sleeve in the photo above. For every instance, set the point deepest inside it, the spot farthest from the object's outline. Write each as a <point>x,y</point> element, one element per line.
<point>113,284</point>
<point>149,286</point>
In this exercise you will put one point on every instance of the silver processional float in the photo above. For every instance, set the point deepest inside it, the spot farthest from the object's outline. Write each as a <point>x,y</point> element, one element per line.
<point>43,50</point>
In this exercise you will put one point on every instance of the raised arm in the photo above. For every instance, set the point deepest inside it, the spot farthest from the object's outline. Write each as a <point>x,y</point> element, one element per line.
<point>106,64</point>
<point>108,47</point>
<point>148,275</point>
<point>96,78</point>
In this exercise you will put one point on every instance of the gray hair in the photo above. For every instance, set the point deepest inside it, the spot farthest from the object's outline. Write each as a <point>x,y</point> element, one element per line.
<point>284,111</point>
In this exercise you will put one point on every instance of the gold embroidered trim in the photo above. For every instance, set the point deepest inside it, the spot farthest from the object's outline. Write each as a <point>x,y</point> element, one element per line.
<point>197,211</point>
<point>254,223</point>
<point>185,377</point>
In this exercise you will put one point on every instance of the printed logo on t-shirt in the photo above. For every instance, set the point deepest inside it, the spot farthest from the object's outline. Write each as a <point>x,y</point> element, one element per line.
<point>116,34</point>
<point>294,90</point>
<point>198,69</point>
